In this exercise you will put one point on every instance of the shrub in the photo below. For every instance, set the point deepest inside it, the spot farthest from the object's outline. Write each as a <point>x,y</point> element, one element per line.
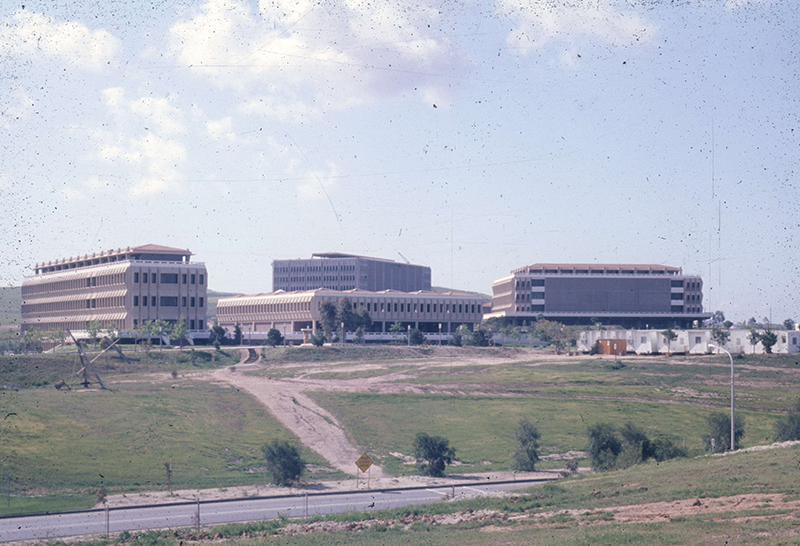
<point>665,449</point>
<point>604,446</point>
<point>283,462</point>
<point>595,348</point>
<point>636,447</point>
<point>719,430</point>
<point>526,455</point>
<point>416,337</point>
<point>274,337</point>
<point>788,428</point>
<point>433,453</point>
<point>318,339</point>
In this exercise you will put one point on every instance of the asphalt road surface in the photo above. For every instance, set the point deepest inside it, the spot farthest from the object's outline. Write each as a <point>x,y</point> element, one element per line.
<point>185,513</point>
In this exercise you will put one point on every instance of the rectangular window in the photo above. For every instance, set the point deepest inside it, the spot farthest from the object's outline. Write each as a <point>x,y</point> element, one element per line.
<point>88,304</point>
<point>153,301</point>
<point>183,278</point>
<point>395,307</point>
<point>194,278</point>
<point>136,301</point>
<point>191,302</point>
<point>200,303</point>
<point>136,277</point>
<point>169,301</point>
<point>199,324</point>
<point>202,279</point>
<point>697,339</point>
<point>429,308</point>
<point>191,324</point>
<point>183,301</point>
<point>169,278</point>
<point>144,277</point>
<point>135,323</point>
<point>460,310</point>
<point>539,282</point>
<point>402,307</point>
<point>144,301</point>
<point>676,284</point>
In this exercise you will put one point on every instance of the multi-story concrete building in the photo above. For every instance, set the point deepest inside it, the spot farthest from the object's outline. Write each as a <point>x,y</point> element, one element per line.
<point>348,272</point>
<point>291,312</point>
<point>639,296</point>
<point>120,289</point>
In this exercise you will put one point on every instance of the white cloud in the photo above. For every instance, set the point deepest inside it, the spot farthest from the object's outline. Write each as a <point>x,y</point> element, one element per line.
<point>221,129</point>
<point>154,155</point>
<point>543,21</point>
<point>32,35</point>
<point>17,104</point>
<point>294,60</point>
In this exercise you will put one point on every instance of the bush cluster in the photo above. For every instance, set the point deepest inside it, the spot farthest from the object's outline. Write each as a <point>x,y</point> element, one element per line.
<point>611,448</point>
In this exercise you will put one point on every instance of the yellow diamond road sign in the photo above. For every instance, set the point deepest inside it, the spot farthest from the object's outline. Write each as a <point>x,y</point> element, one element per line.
<point>364,462</point>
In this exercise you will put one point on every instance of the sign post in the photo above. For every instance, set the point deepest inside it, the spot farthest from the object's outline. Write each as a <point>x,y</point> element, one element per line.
<point>363,463</point>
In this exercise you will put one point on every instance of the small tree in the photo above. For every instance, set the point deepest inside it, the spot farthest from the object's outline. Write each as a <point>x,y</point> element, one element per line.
<point>755,337</point>
<point>478,338</point>
<point>768,340</point>
<point>664,449</point>
<point>720,336</point>
<point>458,337</point>
<point>788,428</point>
<point>396,330</point>
<point>719,430</point>
<point>526,455</point>
<point>93,329</point>
<point>433,453</point>
<point>604,446</point>
<point>636,446</point>
<point>283,462</point>
<point>159,328</point>
<point>416,337</point>
<point>327,318</point>
<point>237,334</point>
<point>274,337</point>
<point>318,339</point>
<point>360,335</point>
<point>788,324</point>
<point>669,336</point>
<point>179,331</point>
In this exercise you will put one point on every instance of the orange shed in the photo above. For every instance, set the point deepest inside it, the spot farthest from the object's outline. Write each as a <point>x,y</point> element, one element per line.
<point>613,346</point>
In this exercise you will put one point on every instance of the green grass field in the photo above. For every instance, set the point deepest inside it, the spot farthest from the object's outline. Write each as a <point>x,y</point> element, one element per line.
<point>60,447</point>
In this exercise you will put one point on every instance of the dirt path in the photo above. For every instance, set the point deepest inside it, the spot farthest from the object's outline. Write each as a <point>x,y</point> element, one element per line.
<point>317,428</point>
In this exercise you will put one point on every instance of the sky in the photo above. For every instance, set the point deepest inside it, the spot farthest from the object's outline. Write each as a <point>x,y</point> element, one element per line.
<point>471,137</point>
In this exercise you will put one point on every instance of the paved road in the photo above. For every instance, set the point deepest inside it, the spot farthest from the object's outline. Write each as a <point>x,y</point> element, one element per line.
<point>217,512</point>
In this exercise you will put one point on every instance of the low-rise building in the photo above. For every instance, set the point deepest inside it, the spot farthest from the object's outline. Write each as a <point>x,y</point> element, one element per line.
<point>696,341</point>
<point>119,289</point>
<point>292,312</point>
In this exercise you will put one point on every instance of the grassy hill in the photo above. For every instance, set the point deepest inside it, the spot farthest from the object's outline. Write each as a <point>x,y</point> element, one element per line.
<point>212,297</point>
<point>10,304</point>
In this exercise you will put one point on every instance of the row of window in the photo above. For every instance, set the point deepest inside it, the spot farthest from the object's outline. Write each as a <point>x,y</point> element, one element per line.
<point>530,296</point>
<point>168,301</point>
<point>74,305</point>
<point>169,278</point>
<point>370,306</point>
<point>73,284</point>
<point>530,308</point>
<point>522,284</point>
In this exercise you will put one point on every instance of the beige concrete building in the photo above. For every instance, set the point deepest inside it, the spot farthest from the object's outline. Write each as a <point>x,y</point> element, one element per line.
<point>119,288</point>
<point>632,295</point>
<point>291,312</point>
<point>339,271</point>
